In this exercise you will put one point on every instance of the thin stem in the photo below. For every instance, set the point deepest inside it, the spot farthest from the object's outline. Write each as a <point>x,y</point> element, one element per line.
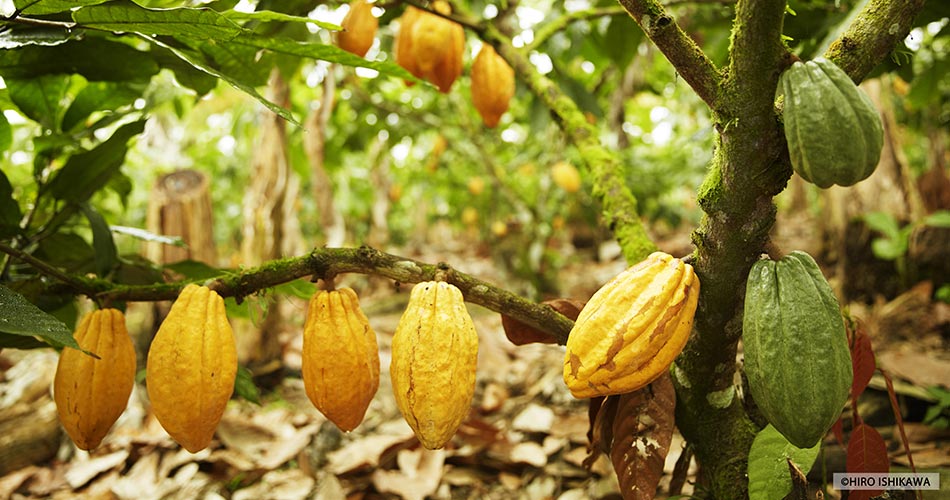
<point>561,23</point>
<point>48,270</point>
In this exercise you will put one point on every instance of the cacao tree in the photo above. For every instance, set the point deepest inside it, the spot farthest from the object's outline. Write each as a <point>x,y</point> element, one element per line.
<point>84,77</point>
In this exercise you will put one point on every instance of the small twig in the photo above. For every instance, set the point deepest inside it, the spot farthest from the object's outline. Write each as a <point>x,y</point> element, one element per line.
<point>48,270</point>
<point>548,30</point>
<point>467,23</point>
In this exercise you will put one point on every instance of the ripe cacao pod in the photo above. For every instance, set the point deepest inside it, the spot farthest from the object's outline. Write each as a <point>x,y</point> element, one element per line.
<point>431,46</point>
<point>340,357</point>
<point>434,355</point>
<point>566,177</point>
<point>834,133</point>
<point>493,85</point>
<point>796,348</point>
<point>632,328</point>
<point>91,393</point>
<point>191,367</point>
<point>359,28</point>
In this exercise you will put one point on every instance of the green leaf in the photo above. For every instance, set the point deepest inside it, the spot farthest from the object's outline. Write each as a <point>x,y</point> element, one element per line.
<point>940,218</point>
<point>20,35</point>
<point>769,477</point>
<point>194,270</point>
<point>10,214</point>
<point>199,62</point>
<point>100,96</point>
<point>6,133</point>
<point>269,15</point>
<point>95,58</point>
<point>41,99</point>
<point>301,288</point>
<point>885,249</point>
<point>20,342</point>
<point>621,40</point>
<point>244,386</point>
<point>102,243</point>
<point>41,7</point>
<point>315,50</point>
<point>68,251</point>
<point>125,16</point>
<point>186,74</point>
<point>87,172</point>
<point>240,62</point>
<point>19,317</point>
<point>883,223</point>
<point>136,270</point>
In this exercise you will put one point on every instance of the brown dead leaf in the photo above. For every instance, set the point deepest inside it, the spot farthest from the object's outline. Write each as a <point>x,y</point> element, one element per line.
<point>642,432</point>
<point>529,453</point>
<point>141,481</point>
<point>520,334</point>
<point>286,484</point>
<point>493,398</point>
<point>366,451</point>
<point>14,480</point>
<point>419,474</point>
<point>921,367</point>
<point>534,418</point>
<point>81,472</point>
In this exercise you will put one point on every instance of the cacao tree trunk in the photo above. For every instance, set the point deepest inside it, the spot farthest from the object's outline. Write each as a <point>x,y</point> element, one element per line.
<point>334,228</point>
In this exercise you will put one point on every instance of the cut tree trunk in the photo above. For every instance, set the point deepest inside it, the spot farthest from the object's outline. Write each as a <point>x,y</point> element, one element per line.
<point>180,205</point>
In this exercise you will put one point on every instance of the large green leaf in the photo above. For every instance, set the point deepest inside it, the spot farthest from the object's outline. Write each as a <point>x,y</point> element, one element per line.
<point>185,73</point>
<point>40,99</point>
<point>20,342</point>
<point>95,58</point>
<point>198,61</point>
<point>125,16</point>
<point>315,50</point>
<point>87,172</point>
<point>41,7</point>
<point>6,133</point>
<point>100,96</point>
<point>19,317</point>
<point>271,16</point>
<point>20,35</point>
<point>106,254</point>
<point>10,214</point>
<point>769,477</point>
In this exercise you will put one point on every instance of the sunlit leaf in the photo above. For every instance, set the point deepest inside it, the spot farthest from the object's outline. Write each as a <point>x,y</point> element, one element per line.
<point>128,17</point>
<point>95,58</point>
<point>40,98</point>
<point>41,7</point>
<point>269,15</point>
<point>19,317</point>
<point>99,96</point>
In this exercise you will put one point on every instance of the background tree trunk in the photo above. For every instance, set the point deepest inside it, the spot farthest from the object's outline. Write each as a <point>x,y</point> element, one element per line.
<point>314,140</point>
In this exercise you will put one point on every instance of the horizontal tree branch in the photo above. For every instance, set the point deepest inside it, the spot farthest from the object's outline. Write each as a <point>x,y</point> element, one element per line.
<point>324,263</point>
<point>562,22</point>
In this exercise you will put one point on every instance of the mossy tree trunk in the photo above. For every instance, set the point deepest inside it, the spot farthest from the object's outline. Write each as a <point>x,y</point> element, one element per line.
<point>749,168</point>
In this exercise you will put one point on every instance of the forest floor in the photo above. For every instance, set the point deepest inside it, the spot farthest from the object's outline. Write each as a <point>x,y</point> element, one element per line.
<point>526,436</point>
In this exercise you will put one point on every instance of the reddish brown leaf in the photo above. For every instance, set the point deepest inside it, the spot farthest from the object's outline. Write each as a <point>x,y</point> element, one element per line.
<point>898,418</point>
<point>867,453</point>
<point>862,361</point>
<point>520,334</point>
<point>600,435</point>
<point>642,432</point>
<point>838,431</point>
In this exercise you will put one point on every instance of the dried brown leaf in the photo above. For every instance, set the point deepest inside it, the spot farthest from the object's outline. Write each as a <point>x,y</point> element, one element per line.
<point>520,334</point>
<point>642,433</point>
<point>419,474</point>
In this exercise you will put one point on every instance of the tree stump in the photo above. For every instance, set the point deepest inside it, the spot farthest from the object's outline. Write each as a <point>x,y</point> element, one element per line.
<point>180,205</point>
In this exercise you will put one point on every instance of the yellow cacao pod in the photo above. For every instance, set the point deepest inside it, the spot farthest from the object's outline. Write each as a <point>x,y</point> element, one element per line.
<point>437,46</point>
<point>402,46</point>
<point>340,357</point>
<point>566,177</point>
<point>91,393</point>
<point>191,367</point>
<point>434,355</point>
<point>632,329</point>
<point>359,28</point>
<point>493,85</point>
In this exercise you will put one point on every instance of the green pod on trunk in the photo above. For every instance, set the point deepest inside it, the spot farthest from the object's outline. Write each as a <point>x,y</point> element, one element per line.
<point>796,349</point>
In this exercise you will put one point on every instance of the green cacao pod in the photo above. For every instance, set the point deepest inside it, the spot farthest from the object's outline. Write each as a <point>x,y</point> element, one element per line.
<point>796,348</point>
<point>340,363</point>
<point>434,356</point>
<point>834,133</point>
<point>632,329</point>
<point>91,393</point>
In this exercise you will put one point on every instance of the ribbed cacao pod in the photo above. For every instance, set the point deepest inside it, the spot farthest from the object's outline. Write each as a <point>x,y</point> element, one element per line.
<point>632,328</point>
<point>431,46</point>
<point>340,357</point>
<point>796,348</point>
<point>493,85</point>
<point>434,355</point>
<point>91,393</point>
<point>359,28</point>
<point>192,364</point>
<point>566,177</point>
<point>834,133</point>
